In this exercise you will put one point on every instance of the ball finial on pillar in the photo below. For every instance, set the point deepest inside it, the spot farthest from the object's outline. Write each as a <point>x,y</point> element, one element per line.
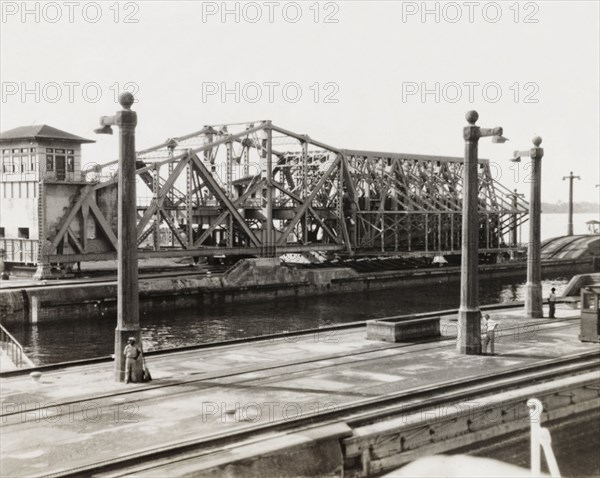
<point>472,117</point>
<point>126,99</point>
<point>537,140</point>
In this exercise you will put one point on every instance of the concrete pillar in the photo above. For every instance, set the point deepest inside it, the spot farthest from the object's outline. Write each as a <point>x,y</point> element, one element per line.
<point>570,224</point>
<point>128,324</point>
<point>533,287</point>
<point>469,317</point>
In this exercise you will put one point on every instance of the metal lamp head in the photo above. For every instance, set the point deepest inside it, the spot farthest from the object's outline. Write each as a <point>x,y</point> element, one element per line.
<point>499,139</point>
<point>516,159</point>
<point>106,129</point>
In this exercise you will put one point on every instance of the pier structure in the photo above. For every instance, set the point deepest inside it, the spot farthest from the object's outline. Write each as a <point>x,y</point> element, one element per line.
<point>256,189</point>
<point>323,402</point>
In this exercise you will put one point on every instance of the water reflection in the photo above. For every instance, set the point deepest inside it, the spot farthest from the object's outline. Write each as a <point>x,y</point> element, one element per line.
<point>74,340</point>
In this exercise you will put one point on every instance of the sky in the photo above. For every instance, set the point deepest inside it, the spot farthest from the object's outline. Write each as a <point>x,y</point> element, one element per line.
<point>374,75</point>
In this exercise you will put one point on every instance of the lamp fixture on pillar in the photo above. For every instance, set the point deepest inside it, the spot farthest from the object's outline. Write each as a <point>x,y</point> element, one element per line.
<point>533,287</point>
<point>469,316</point>
<point>128,322</point>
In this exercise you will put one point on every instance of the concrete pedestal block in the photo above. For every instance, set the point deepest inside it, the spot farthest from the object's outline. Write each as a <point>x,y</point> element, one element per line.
<point>401,329</point>
<point>590,327</point>
<point>533,300</point>
<point>468,340</point>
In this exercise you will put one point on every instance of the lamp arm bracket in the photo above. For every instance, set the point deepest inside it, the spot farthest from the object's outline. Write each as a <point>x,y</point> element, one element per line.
<point>521,153</point>
<point>490,132</point>
<point>108,120</point>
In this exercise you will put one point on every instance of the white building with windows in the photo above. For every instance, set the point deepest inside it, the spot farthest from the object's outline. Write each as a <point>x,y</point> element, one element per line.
<point>35,161</point>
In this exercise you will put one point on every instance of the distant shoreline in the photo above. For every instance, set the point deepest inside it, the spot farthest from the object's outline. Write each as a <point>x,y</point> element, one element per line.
<point>574,212</point>
<point>563,208</point>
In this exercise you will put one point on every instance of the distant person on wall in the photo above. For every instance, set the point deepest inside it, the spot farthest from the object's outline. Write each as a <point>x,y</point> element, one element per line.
<point>488,334</point>
<point>132,354</point>
<point>552,303</point>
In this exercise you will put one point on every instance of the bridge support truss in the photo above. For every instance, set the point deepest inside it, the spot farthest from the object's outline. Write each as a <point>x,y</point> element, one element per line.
<point>259,189</point>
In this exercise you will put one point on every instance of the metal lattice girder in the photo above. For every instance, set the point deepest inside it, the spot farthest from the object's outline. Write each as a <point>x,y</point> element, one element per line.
<point>259,185</point>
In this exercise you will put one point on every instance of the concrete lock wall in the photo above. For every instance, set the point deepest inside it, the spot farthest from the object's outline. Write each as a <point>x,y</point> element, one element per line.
<point>250,280</point>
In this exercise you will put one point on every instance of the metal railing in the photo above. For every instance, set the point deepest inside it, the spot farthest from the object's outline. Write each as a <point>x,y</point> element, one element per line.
<point>13,349</point>
<point>24,251</point>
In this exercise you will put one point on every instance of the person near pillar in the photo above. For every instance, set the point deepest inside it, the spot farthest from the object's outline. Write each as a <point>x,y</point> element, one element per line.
<point>132,354</point>
<point>552,303</point>
<point>488,334</point>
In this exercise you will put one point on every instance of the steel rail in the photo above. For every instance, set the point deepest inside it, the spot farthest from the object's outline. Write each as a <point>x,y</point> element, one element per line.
<point>194,448</point>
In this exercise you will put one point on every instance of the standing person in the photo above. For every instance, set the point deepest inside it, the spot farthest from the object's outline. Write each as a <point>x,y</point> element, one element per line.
<point>132,354</point>
<point>488,334</point>
<point>552,303</point>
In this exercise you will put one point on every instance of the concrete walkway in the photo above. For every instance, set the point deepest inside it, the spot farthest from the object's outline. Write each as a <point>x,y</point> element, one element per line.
<point>6,364</point>
<point>77,416</point>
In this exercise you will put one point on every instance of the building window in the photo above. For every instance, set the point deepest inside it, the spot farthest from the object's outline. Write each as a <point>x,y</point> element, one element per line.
<point>70,163</point>
<point>33,163</point>
<point>59,151</point>
<point>49,150</point>
<point>49,162</point>
<point>15,150</point>
<point>32,150</point>
<point>8,166</point>
<point>70,151</point>
<point>23,150</point>
<point>23,233</point>
<point>1,232</point>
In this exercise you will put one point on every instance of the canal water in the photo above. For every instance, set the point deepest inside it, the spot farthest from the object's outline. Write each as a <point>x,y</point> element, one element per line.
<point>80,339</point>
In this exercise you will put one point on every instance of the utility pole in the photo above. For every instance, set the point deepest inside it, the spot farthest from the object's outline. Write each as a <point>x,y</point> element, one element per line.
<point>570,225</point>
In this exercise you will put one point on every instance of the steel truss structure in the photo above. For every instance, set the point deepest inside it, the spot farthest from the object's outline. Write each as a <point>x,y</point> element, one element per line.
<point>259,189</point>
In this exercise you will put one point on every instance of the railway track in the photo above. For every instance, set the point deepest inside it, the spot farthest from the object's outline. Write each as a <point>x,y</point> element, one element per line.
<point>358,412</point>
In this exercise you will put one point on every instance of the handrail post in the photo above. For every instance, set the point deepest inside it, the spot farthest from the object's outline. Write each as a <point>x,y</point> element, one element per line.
<point>16,349</point>
<point>535,411</point>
